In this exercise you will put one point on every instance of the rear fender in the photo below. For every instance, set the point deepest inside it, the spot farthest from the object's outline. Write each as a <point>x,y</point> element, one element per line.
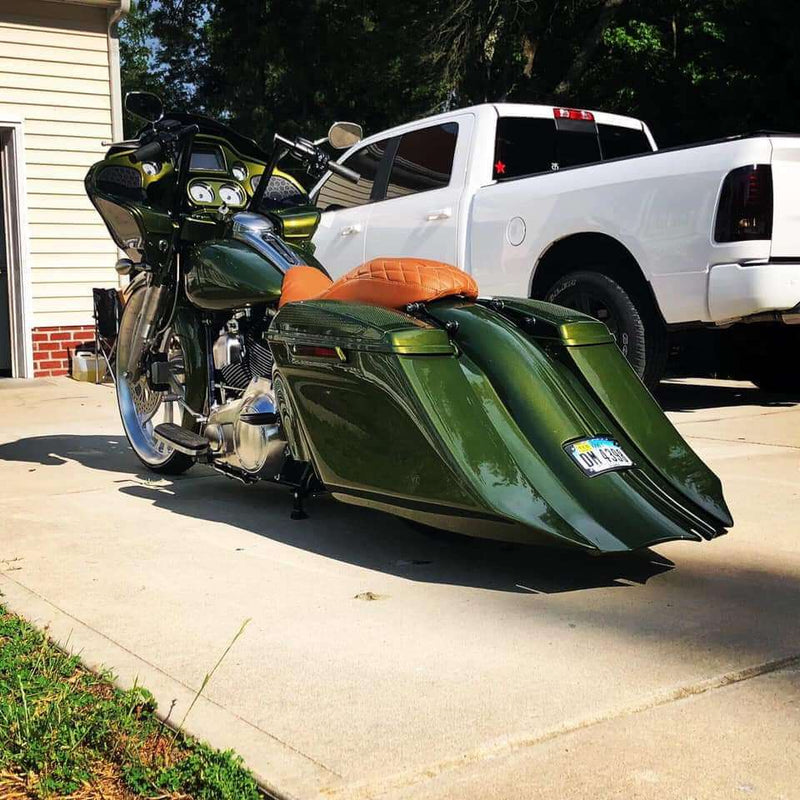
<point>669,494</point>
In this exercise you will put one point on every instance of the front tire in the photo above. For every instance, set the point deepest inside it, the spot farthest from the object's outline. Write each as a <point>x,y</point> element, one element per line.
<point>628,314</point>
<point>142,408</point>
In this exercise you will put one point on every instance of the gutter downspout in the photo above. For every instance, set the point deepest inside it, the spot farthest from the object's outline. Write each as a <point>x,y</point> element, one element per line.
<point>115,82</point>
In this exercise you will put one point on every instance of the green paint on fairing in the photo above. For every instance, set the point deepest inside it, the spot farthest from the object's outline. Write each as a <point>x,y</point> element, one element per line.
<point>298,223</point>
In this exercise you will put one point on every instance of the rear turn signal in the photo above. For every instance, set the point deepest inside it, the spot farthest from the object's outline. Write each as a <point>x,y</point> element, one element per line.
<point>745,205</point>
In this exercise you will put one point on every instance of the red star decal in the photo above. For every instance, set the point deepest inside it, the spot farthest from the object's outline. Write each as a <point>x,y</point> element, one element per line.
<point>499,168</point>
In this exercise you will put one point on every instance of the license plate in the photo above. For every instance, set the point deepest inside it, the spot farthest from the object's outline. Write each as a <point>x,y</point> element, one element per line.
<point>597,455</point>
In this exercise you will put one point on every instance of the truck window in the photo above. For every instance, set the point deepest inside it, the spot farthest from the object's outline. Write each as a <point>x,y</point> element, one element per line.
<point>424,160</point>
<point>523,146</point>
<point>530,145</point>
<point>577,144</point>
<point>339,192</point>
<point>617,142</point>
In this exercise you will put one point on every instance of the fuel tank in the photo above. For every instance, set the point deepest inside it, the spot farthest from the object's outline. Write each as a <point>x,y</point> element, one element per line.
<point>227,273</point>
<point>467,419</point>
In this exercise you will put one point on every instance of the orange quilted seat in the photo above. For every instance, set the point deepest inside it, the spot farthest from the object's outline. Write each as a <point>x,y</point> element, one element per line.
<point>389,282</point>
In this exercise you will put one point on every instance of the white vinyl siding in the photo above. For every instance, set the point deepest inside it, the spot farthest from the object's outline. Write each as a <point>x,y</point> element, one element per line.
<point>54,75</point>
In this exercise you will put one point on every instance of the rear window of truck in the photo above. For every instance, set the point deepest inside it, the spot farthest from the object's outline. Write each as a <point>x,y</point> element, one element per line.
<point>531,145</point>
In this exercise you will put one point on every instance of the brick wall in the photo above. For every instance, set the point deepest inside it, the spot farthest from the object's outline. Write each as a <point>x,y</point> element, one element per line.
<point>53,348</point>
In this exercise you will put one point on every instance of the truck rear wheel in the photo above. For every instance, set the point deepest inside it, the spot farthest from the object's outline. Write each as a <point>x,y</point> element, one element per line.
<point>628,314</point>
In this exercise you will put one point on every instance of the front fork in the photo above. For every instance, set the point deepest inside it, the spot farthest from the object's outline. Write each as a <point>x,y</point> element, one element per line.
<point>152,311</point>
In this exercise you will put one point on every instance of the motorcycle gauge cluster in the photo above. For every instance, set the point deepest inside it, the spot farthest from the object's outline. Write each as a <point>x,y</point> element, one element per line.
<point>201,193</point>
<point>211,193</point>
<point>231,195</point>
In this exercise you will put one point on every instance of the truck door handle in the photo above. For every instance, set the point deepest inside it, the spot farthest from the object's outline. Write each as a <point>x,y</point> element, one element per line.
<point>441,213</point>
<point>349,230</point>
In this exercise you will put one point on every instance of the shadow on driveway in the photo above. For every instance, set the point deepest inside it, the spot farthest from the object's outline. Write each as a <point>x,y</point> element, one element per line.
<point>358,536</point>
<point>694,397</point>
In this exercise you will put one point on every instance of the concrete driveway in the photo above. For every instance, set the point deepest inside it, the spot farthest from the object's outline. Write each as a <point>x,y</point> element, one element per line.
<point>379,662</point>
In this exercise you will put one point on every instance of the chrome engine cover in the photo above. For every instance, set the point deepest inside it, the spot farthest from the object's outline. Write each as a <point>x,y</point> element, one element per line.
<point>256,449</point>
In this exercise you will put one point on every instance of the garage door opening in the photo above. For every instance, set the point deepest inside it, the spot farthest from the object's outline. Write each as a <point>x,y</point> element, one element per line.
<point>5,310</point>
<point>16,350</point>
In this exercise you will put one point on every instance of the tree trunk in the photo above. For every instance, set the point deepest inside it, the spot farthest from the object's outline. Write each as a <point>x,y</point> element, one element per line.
<point>588,48</point>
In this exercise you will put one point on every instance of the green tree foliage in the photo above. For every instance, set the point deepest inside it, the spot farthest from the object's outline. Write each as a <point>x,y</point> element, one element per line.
<point>691,69</point>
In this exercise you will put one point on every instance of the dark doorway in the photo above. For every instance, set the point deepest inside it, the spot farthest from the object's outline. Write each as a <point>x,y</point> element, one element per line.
<point>5,316</point>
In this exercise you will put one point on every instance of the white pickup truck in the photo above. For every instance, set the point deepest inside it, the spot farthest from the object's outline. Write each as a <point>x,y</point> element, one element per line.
<point>581,208</point>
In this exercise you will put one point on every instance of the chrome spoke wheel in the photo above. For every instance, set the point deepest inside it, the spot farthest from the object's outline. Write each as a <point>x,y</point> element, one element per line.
<point>141,407</point>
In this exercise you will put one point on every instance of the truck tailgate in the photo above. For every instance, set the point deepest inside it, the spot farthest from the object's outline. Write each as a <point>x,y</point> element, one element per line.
<point>786,197</point>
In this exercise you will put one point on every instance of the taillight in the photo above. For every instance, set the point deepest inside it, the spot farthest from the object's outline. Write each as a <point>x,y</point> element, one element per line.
<point>573,113</point>
<point>745,205</point>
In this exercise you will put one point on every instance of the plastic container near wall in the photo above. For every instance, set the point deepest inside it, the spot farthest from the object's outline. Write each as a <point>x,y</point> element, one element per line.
<point>86,366</point>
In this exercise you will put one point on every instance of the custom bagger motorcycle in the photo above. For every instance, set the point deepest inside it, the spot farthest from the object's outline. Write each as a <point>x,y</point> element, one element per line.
<point>396,387</point>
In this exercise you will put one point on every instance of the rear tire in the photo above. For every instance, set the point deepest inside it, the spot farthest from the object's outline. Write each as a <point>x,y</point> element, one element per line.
<point>628,313</point>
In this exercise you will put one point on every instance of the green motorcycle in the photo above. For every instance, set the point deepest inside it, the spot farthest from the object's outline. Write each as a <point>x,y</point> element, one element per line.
<point>396,387</point>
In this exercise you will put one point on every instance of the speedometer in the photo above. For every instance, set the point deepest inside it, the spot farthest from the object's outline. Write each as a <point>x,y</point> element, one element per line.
<point>231,195</point>
<point>201,193</point>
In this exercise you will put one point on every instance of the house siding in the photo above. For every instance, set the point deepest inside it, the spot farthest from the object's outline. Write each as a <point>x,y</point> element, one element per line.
<point>54,76</point>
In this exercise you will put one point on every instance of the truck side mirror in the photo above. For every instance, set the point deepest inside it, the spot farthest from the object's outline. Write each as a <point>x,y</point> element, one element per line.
<point>344,134</point>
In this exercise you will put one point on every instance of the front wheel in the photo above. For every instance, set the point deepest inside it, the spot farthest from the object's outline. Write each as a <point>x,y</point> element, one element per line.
<point>628,315</point>
<point>141,407</point>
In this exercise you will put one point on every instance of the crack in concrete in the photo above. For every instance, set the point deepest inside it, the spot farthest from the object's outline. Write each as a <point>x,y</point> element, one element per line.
<point>743,441</point>
<point>509,746</point>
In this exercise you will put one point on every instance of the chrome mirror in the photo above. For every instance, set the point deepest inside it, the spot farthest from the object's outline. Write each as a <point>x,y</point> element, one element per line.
<point>344,134</point>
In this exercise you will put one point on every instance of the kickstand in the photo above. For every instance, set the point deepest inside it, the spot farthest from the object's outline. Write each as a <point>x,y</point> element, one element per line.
<point>297,508</point>
<point>300,492</point>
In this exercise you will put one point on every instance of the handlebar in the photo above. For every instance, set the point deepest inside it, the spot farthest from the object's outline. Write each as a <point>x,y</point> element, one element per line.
<point>345,172</point>
<point>316,159</point>
<point>153,150</point>
<point>147,152</point>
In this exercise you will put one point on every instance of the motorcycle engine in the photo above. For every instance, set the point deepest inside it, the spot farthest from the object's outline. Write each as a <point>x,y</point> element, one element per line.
<point>244,433</point>
<point>241,354</point>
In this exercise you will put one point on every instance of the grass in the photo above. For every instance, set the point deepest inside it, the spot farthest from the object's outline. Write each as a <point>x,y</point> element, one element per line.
<point>67,732</point>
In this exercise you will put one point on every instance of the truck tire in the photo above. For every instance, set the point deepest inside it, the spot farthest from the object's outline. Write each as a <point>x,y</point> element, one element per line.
<point>629,315</point>
<point>772,356</point>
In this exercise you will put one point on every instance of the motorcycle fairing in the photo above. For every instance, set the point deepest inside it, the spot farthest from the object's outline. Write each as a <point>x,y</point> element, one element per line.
<point>469,433</point>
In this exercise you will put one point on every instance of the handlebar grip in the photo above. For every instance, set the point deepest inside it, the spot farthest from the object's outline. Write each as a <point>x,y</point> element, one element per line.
<point>345,172</point>
<point>147,152</point>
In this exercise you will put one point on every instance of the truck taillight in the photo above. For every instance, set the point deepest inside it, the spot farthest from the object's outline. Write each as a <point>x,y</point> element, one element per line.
<point>745,205</point>
<point>573,113</point>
